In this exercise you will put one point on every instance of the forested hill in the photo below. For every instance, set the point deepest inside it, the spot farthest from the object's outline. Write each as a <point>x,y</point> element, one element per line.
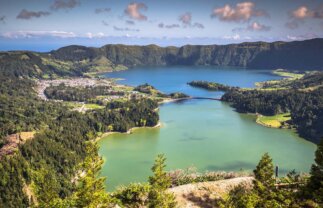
<point>297,55</point>
<point>77,60</point>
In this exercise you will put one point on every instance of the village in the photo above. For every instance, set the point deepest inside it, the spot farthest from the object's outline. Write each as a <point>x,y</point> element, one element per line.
<point>118,92</point>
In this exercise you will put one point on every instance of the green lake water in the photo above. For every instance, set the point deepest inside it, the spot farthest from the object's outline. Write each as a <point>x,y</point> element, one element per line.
<point>206,134</point>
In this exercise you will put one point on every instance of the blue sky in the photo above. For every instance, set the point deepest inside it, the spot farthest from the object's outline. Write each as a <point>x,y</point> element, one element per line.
<point>48,24</point>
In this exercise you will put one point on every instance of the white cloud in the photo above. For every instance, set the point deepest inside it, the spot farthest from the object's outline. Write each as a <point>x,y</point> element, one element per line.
<point>186,20</point>
<point>232,37</point>
<point>301,12</point>
<point>134,9</point>
<point>125,29</point>
<point>255,26</point>
<point>35,34</point>
<point>241,12</point>
<point>302,37</point>
<point>91,35</point>
<point>170,26</point>
<point>299,15</point>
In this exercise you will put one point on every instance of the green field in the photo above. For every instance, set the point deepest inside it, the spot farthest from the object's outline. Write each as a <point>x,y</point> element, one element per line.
<point>93,106</point>
<point>273,121</point>
<point>290,75</point>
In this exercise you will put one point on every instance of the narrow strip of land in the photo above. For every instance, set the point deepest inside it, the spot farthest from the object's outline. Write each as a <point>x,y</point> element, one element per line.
<point>206,98</point>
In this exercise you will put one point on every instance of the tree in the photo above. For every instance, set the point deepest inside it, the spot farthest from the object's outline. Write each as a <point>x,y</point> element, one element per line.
<point>264,193</point>
<point>264,173</point>
<point>90,192</point>
<point>264,185</point>
<point>158,197</point>
<point>134,195</point>
<point>315,185</point>
<point>241,197</point>
<point>45,185</point>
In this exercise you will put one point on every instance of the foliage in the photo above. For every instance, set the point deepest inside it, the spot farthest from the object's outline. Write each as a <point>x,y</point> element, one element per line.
<point>90,191</point>
<point>241,197</point>
<point>133,195</point>
<point>50,163</point>
<point>213,86</point>
<point>315,185</point>
<point>20,110</point>
<point>148,89</point>
<point>47,164</point>
<point>264,192</point>
<point>305,107</point>
<point>45,185</point>
<point>80,94</point>
<point>178,95</point>
<point>264,174</point>
<point>309,81</point>
<point>14,173</point>
<point>287,55</point>
<point>121,116</point>
<point>158,197</point>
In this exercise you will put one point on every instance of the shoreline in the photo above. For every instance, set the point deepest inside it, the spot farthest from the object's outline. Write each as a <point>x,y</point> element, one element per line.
<point>130,131</point>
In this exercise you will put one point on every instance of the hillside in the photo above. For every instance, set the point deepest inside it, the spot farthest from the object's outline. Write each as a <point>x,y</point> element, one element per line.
<point>78,60</point>
<point>299,55</point>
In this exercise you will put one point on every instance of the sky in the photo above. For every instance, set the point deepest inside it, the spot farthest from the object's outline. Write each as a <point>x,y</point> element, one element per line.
<point>44,25</point>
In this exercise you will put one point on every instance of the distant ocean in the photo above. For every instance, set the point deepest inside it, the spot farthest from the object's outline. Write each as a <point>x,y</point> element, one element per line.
<point>29,47</point>
<point>47,44</point>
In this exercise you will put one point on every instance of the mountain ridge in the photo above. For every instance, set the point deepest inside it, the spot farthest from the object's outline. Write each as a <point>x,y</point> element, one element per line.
<point>297,55</point>
<point>76,60</point>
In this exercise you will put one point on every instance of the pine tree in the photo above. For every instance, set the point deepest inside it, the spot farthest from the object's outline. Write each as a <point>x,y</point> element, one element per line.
<point>160,181</point>
<point>240,197</point>
<point>264,184</point>
<point>264,173</point>
<point>91,192</point>
<point>315,185</point>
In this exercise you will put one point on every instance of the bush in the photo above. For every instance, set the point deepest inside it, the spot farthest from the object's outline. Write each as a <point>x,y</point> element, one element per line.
<point>134,195</point>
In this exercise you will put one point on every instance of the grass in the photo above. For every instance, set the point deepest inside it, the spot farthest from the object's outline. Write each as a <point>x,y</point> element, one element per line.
<point>73,104</point>
<point>282,84</point>
<point>289,75</point>
<point>93,106</point>
<point>273,121</point>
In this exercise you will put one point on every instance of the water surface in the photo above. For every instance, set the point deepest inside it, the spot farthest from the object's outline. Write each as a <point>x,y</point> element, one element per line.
<point>208,135</point>
<point>174,79</point>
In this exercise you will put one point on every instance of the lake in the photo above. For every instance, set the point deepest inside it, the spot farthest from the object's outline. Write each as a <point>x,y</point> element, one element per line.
<point>205,134</point>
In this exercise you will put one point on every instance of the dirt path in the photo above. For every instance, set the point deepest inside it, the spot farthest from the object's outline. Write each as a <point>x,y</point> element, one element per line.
<point>203,194</point>
<point>13,141</point>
